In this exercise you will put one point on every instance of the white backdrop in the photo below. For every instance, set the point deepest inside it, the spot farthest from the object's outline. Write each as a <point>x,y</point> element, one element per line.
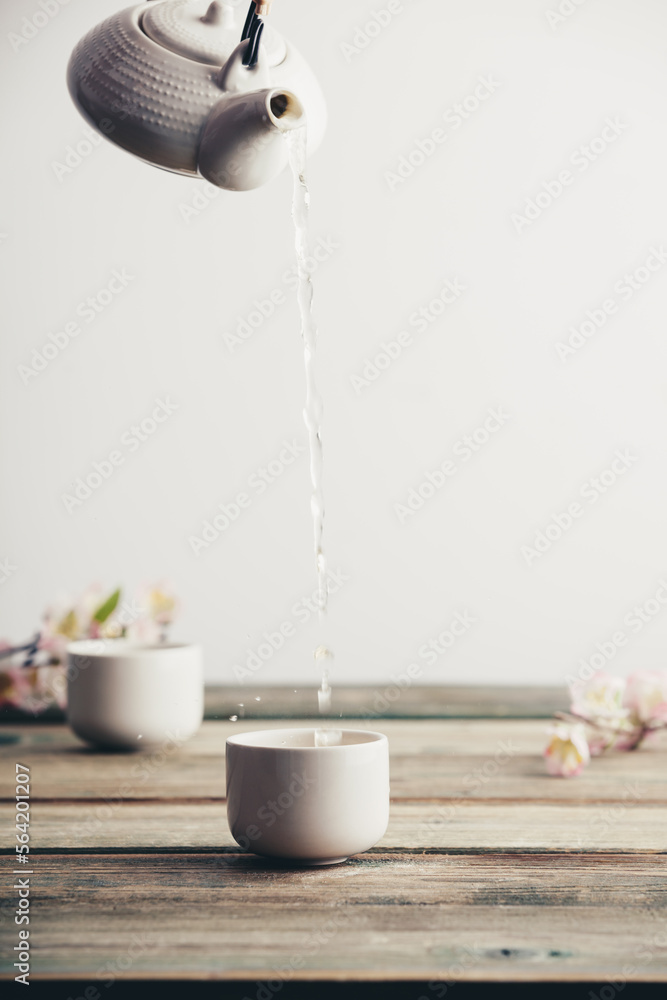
<point>490,208</point>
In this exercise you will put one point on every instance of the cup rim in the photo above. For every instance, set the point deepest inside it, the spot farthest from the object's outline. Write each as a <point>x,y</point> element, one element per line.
<point>371,736</point>
<point>102,648</point>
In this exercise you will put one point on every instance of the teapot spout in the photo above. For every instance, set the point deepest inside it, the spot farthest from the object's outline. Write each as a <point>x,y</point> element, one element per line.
<point>242,146</point>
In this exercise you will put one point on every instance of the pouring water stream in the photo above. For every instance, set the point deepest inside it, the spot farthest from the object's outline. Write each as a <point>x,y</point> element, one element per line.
<point>296,140</point>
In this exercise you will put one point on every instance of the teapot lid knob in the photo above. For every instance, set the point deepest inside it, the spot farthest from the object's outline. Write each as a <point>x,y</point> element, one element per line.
<point>219,13</point>
<point>202,31</point>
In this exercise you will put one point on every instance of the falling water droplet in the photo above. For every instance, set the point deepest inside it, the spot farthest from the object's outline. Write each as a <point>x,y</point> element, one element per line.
<point>323,658</point>
<point>328,737</point>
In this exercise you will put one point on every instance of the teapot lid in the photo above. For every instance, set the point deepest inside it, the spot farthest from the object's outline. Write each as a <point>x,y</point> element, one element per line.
<point>203,31</point>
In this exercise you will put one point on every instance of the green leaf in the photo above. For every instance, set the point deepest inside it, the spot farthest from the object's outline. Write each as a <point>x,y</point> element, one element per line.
<point>107,607</point>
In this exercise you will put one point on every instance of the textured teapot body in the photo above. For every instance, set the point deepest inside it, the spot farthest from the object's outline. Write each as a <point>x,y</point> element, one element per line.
<point>181,98</point>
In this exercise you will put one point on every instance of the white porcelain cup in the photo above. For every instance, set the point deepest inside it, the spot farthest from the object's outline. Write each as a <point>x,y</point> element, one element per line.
<point>128,696</point>
<point>317,805</point>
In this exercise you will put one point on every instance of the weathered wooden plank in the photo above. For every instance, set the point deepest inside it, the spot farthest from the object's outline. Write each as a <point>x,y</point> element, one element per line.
<point>430,825</point>
<point>453,736</point>
<point>429,759</point>
<point>353,701</point>
<point>392,916</point>
<point>460,737</point>
<point>390,702</point>
<point>450,893</point>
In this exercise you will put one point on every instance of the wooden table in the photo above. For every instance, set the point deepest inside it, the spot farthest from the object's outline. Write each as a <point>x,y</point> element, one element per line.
<point>490,870</point>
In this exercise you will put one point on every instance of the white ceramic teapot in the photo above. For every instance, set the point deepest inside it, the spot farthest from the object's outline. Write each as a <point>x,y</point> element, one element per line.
<point>170,82</point>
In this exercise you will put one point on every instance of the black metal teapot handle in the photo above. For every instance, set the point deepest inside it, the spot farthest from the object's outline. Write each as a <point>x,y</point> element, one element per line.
<point>252,29</point>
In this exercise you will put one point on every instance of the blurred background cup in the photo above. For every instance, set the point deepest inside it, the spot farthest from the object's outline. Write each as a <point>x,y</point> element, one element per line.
<point>128,696</point>
<point>316,805</point>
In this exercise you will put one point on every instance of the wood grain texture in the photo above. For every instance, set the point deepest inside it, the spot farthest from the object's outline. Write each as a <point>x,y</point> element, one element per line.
<point>354,701</point>
<point>494,827</point>
<point>475,759</point>
<point>416,702</point>
<point>489,871</point>
<point>382,916</point>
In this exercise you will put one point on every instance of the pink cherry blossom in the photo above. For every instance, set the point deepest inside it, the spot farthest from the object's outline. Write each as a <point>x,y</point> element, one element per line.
<point>599,699</point>
<point>159,602</point>
<point>598,742</point>
<point>567,753</point>
<point>646,697</point>
<point>145,631</point>
<point>68,619</point>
